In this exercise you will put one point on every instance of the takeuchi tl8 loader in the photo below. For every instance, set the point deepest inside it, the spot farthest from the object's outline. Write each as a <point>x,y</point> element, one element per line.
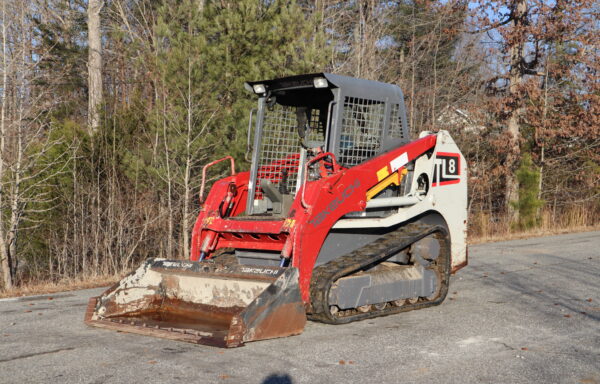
<point>342,217</point>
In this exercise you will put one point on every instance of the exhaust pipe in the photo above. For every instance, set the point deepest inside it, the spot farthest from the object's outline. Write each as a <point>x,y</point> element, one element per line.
<point>203,302</point>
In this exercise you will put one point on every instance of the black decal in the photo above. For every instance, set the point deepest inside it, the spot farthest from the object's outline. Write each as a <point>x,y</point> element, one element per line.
<point>447,169</point>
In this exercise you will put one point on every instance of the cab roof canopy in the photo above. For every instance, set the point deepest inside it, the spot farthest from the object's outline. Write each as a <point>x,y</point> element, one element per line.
<point>347,86</point>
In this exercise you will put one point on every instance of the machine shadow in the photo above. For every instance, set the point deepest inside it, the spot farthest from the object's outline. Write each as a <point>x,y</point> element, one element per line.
<point>278,379</point>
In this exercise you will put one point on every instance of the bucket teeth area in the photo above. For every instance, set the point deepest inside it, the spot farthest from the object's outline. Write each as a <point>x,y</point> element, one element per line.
<point>202,302</point>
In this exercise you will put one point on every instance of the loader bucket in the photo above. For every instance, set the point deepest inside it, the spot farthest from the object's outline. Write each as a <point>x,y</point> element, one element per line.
<point>203,302</point>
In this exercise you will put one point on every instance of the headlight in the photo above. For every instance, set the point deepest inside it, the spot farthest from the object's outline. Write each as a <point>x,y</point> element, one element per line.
<point>320,82</point>
<point>259,88</point>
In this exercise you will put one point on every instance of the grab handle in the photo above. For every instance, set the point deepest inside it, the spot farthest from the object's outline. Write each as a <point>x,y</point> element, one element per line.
<point>319,157</point>
<point>210,165</point>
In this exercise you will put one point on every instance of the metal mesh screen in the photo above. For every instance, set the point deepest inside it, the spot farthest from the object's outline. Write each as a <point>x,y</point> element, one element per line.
<point>396,130</point>
<point>362,127</point>
<point>280,146</point>
<point>317,127</point>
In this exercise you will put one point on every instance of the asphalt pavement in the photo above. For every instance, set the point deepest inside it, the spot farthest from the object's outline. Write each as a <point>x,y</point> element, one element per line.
<point>525,311</point>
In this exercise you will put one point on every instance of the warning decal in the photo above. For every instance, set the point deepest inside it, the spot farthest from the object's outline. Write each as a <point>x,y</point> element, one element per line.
<point>447,169</point>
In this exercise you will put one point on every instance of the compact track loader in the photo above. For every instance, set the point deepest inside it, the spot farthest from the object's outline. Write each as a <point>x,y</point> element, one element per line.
<point>342,217</point>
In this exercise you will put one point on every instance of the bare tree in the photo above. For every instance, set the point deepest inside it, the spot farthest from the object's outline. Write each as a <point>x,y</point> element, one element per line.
<point>25,136</point>
<point>6,263</point>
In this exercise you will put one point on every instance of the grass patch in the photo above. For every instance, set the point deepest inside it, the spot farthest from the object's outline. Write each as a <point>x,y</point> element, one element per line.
<point>526,234</point>
<point>44,287</point>
<point>485,227</point>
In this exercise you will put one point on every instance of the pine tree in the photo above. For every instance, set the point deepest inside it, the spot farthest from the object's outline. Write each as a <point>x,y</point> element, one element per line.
<point>254,40</point>
<point>204,57</point>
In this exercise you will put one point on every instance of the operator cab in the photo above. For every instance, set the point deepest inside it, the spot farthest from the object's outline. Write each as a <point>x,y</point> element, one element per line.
<point>300,117</point>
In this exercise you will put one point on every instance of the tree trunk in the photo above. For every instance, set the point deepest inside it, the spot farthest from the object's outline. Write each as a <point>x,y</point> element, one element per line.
<point>16,204</point>
<point>185,224</point>
<point>411,122</point>
<point>540,137</point>
<point>358,41</point>
<point>516,52</point>
<point>94,64</point>
<point>511,194</point>
<point>5,263</point>
<point>170,220</point>
<point>201,5</point>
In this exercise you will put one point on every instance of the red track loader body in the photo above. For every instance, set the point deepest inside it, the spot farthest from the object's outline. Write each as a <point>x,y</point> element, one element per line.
<point>340,217</point>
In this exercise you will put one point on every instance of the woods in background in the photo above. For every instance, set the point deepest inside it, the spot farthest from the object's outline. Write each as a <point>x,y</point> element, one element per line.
<point>110,108</point>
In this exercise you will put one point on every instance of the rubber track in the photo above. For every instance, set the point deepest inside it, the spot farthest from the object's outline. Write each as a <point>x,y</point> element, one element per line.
<point>388,245</point>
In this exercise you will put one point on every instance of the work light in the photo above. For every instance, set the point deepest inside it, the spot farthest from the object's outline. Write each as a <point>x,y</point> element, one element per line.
<point>320,82</point>
<point>259,88</point>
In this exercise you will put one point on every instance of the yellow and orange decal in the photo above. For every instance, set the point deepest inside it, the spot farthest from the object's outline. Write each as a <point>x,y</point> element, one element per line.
<point>394,178</point>
<point>383,173</point>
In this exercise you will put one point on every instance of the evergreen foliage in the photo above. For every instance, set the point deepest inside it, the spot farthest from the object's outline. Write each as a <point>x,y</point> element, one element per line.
<point>529,204</point>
